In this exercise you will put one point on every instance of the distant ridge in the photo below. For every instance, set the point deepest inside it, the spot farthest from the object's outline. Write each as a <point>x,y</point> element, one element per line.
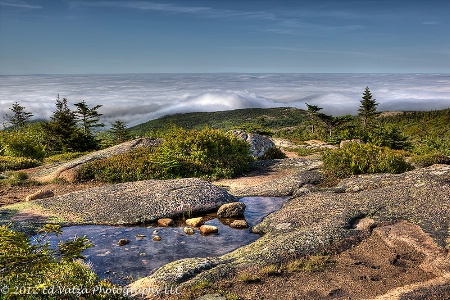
<point>429,127</point>
<point>273,118</point>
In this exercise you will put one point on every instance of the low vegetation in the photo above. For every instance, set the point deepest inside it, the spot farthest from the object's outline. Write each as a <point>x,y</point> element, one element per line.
<point>34,270</point>
<point>427,160</point>
<point>356,158</point>
<point>12,163</point>
<point>207,153</point>
<point>313,263</point>
<point>17,179</point>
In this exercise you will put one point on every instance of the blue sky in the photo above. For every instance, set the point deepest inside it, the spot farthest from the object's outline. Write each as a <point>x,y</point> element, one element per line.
<point>118,36</point>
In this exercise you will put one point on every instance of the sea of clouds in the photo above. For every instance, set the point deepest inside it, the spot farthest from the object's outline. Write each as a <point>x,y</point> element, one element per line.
<point>137,98</point>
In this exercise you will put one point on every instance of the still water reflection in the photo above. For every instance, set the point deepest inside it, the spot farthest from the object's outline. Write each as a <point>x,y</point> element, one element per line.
<point>143,256</point>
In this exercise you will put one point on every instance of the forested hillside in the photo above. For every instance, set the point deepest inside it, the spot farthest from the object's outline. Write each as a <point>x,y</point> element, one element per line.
<point>254,119</point>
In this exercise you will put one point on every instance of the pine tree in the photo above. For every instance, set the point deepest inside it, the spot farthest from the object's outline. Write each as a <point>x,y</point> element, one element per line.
<point>63,133</point>
<point>368,108</point>
<point>19,117</point>
<point>89,117</point>
<point>63,124</point>
<point>313,111</point>
<point>119,132</point>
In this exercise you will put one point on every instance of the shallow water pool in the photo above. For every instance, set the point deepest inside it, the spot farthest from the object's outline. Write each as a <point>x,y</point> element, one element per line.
<point>142,255</point>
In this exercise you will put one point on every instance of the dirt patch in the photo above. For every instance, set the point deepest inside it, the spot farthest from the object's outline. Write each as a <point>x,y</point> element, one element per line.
<point>15,194</point>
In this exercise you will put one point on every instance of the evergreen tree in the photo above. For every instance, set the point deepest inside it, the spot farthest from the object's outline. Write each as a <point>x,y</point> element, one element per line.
<point>313,111</point>
<point>63,133</point>
<point>19,117</point>
<point>119,132</point>
<point>368,108</point>
<point>89,117</point>
<point>62,126</point>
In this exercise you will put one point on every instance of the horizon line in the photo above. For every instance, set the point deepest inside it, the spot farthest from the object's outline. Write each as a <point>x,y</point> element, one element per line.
<point>193,73</point>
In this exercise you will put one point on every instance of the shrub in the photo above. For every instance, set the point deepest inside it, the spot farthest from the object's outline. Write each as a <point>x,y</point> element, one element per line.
<point>389,136</point>
<point>130,166</point>
<point>10,163</point>
<point>303,151</point>
<point>207,153</point>
<point>27,142</point>
<point>36,268</point>
<point>273,153</point>
<point>17,179</point>
<point>430,159</point>
<point>361,159</point>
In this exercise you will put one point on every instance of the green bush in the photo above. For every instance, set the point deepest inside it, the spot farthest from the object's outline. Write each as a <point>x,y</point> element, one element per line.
<point>389,136</point>
<point>430,159</point>
<point>130,166</point>
<point>274,153</point>
<point>303,151</point>
<point>17,179</point>
<point>425,146</point>
<point>208,153</point>
<point>9,163</point>
<point>36,267</point>
<point>27,142</point>
<point>361,159</point>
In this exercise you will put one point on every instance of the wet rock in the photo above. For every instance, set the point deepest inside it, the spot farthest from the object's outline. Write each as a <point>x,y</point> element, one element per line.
<point>140,237</point>
<point>195,222</point>
<point>231,210</point>
<point>165,222</point>
<point>123,242</point>
<point>188,230</point>
<point>239,224</point>
<point>156,238</point>
<point>208,229</point>
<point>41,194</point>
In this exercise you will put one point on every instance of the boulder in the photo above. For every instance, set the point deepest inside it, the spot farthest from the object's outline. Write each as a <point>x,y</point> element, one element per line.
<point>239,224</point>
<point>188,230</point>
<point>231,210</point>
<point>195,222</point>
<point>132,203</point>
<point>259,144</point>
<point>165,222</point>
<point>208,229</point>
<point>41,194</point>
<point>156,238</point>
